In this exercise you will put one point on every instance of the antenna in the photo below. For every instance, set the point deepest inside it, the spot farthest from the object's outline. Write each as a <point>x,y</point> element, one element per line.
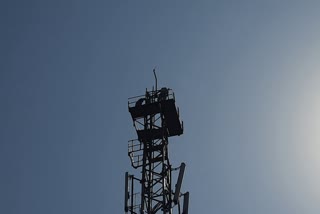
<point>185,203</point>
<point>179,182</point>
<point>155,76</point>
<point>126,192</point>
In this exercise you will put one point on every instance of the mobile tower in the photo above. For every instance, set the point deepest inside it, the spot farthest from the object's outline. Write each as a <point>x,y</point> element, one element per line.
<point>155,118</point>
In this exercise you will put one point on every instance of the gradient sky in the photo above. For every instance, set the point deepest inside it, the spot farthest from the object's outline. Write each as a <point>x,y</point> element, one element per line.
<point>246,78</point>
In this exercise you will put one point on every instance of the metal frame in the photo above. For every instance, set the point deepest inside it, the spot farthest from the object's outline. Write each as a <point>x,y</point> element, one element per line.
<point>150,151</point>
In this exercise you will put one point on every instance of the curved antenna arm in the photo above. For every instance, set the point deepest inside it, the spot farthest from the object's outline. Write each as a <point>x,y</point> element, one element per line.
<point>155,76</point>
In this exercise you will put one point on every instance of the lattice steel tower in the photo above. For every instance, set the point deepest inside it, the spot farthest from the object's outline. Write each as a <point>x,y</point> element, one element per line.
<point>155,118</point>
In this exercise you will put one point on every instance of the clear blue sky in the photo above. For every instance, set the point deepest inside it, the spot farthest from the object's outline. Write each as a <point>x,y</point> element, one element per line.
<point>246,78</point>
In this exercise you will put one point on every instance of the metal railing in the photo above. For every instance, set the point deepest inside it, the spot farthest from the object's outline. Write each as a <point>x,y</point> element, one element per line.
<point>152,96</point>
<point>135,152</point>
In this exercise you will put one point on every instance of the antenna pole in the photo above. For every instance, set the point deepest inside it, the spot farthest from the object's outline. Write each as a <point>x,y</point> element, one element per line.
<point>155,76</point>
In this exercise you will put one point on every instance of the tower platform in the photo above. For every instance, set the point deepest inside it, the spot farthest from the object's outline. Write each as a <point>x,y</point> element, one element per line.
<point>159,102</point>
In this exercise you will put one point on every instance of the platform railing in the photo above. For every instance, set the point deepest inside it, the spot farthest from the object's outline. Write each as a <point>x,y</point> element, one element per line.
<point>135,152</point>
<point>154,95</point>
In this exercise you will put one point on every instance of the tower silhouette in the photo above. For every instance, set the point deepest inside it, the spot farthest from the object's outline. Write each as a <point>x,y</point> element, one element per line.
<point>155,118</point>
